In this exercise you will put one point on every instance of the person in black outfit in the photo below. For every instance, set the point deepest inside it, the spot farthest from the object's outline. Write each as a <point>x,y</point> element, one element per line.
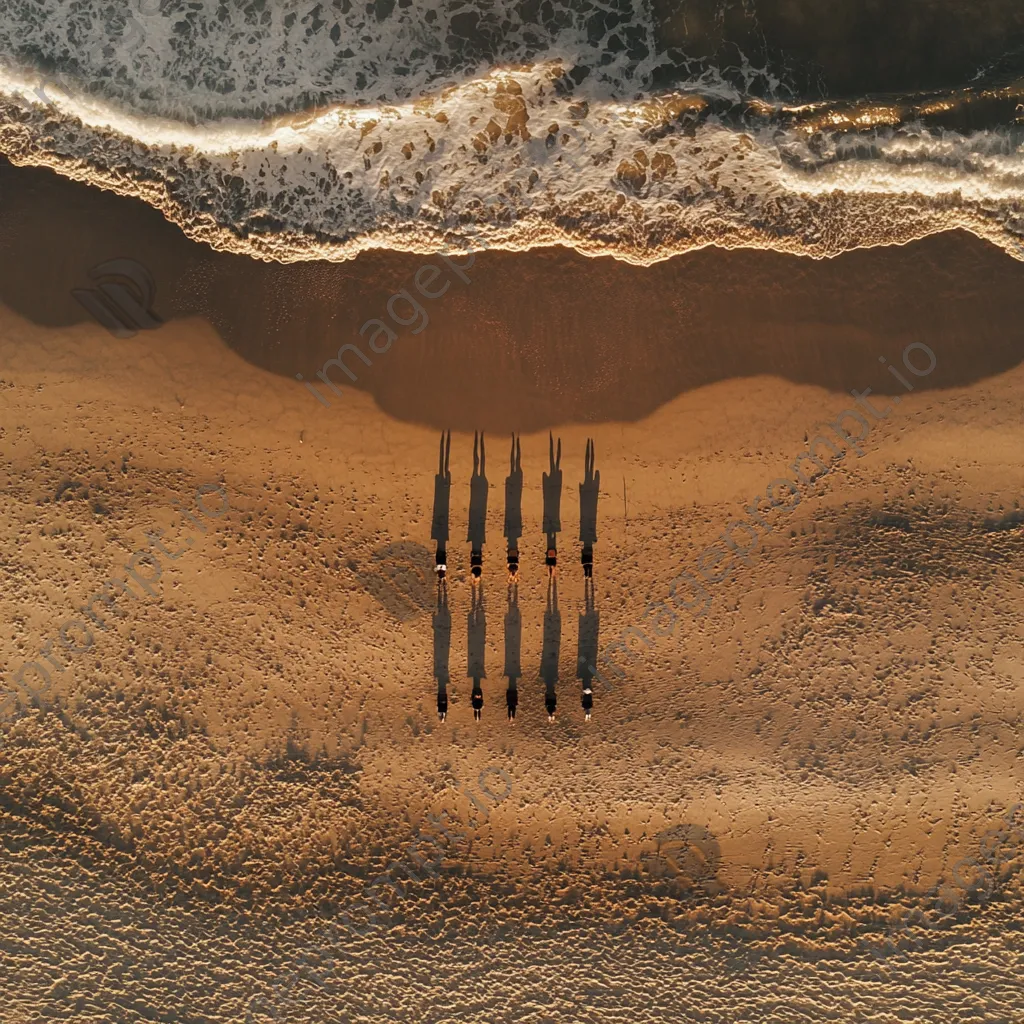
<point>513,507</point>
<point>552,646</point>
<point>589,492</point>
<point>476,644</point>
<point>442,494</point>
<point>587,558</point>
<point>551,483</point>
<point>442,623</point>
<point>513,649</point>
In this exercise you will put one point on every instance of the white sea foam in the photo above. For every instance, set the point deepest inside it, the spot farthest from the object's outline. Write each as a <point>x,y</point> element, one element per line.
<point>606,167</point>
<point>191,59</point>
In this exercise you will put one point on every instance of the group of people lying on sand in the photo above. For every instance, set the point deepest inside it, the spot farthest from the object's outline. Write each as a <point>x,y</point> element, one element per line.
<point>513,531</point>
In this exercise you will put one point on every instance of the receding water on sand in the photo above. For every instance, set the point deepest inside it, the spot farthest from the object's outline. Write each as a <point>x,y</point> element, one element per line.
<point>620,130</point>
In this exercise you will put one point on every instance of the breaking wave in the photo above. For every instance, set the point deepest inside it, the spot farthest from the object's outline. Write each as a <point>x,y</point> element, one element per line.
<point>296,131</point>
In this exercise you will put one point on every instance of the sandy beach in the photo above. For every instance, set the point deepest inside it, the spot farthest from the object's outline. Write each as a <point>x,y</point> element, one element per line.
<point>754,807</point>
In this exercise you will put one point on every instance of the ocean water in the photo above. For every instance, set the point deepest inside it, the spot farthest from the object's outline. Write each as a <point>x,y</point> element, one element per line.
<point>291,130</point>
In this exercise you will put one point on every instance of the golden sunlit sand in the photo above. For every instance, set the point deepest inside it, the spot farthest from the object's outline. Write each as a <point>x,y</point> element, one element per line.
<point>753,809</point>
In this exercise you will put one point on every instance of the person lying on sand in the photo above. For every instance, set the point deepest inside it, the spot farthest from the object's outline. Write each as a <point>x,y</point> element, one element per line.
<point>476,535</point>
<point>514,506</point>
<point>589,493</point>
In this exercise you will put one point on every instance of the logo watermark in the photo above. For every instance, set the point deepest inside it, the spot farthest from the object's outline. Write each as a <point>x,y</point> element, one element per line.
<point>122,302</point>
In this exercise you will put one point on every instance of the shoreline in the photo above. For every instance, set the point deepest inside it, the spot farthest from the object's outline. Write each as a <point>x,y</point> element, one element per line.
<point>640,182</point>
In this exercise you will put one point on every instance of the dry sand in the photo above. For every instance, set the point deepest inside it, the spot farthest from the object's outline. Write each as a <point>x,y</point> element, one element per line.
<point>839,730</point>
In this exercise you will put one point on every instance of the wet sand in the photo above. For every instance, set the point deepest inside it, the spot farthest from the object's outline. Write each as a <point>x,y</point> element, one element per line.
<point>531,340</point>
<point>260,736</point>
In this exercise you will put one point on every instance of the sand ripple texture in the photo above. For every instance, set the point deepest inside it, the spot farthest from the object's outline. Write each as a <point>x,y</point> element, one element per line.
<point>517,159</point>
<point>91,946</point>
<point>235,759</point>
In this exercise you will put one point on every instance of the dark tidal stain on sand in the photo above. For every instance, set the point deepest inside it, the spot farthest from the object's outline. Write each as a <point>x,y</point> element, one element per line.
<point>540,338</point>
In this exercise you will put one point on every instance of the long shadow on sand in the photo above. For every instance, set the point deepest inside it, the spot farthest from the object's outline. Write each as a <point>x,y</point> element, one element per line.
<point>476,534</point>
<point>476,645</point>
<point>513,649</point>
<point>442,629</point>
<point>532,339</point>
<point>513,529</point>
<point>551,485</point>
<point>552,647</point>
<point>587,642</point>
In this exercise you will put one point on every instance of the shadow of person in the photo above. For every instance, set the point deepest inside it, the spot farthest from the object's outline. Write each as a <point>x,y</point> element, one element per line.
<point>442,498</point>
<point>513,649</point>
<point>550,651</point>
<point>552,486</point>
<point>586,646</point>
<point>442,622</point>
<point>477,533</point>
<point>589,491</point>
<point>476,642</point>
<point>514,507</point>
